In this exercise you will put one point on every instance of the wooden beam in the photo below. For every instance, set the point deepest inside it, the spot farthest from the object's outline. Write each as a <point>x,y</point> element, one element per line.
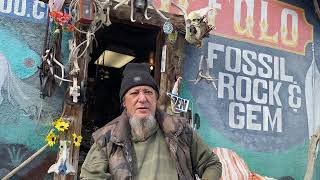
<point>123,14</point>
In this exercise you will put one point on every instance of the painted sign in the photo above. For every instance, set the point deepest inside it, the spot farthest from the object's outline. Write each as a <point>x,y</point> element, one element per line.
<point>262,61</point>
<point>268,23</point>
<point>35,11</point>
<point>25,117</point>
<point>258,90</point>
<point>180,104</point>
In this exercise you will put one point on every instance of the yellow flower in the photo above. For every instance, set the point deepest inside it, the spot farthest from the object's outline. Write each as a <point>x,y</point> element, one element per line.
<point>51,138</point>
<point>56,121</point>
<point>76,139</point>
<point>61,125</point>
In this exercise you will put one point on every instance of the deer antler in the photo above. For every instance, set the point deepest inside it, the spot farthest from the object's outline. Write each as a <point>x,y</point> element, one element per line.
<point>146,12</point>
<point>183,10</point>
<point>131,14</point>
<point>119,4</point>
<point>159,12</point>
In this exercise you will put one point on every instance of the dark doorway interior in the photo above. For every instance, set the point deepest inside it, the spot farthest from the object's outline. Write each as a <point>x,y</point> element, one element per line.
<point>103,102</point>
<point>104,82</point>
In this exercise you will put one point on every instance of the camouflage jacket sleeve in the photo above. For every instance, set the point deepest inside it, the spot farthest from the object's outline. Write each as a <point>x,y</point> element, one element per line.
<point>204,161</point>
<point>95,165</point>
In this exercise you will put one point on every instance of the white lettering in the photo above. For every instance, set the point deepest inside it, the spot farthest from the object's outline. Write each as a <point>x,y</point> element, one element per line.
<point>6,9</point>
<point>35,12</point>
<point>237,59</point>
<point>20,7</point>
<point>267,118</point>
<point>240,91</point>
<point>228,85</point>
<point>251,117</point>
<point>283,76</point>
<point>239,118</point>
<point>267,71</point>
<point>252,70</point>
<point>274,92</point>
<point>211,52</point>
<point>256,91</point>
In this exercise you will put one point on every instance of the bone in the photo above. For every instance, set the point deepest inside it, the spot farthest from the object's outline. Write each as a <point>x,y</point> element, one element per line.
<point>131,14</point>
<point>121,3</point>
<point>146,13</point>
<point>183,10</point>
<point>159,12</point>
<point>108,16</point>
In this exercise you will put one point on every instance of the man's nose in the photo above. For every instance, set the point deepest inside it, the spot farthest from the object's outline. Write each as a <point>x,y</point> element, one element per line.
<point>142,97</point>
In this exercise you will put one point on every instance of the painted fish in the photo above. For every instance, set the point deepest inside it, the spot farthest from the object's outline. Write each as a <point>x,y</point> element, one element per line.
<point>23,60</point>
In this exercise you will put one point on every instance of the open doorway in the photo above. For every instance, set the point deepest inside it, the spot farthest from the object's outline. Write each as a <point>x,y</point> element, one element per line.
<point>103,102</point>
<point>103,81</point>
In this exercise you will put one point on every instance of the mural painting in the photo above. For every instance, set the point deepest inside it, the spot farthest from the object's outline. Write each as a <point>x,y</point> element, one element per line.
<point>256,94</point>
<point>25,116</point>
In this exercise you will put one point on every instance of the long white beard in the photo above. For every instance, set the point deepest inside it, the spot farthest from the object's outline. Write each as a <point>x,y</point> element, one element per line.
<point>142,129</point>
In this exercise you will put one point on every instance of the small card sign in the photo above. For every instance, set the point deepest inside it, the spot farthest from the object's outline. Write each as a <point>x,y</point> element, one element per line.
<point>180,104</point>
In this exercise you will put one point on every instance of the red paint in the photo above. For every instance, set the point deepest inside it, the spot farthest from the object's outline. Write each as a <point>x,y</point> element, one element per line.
<point>28,62</point>
<point>225,23</point>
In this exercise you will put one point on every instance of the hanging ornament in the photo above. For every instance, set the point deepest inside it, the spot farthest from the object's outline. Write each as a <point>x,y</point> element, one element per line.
<point>167,27</point>
<point>173,37</point>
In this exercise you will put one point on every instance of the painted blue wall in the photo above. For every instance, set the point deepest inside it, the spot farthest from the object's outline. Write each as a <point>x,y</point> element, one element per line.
<point>235,120</point>
<point>24,117</point>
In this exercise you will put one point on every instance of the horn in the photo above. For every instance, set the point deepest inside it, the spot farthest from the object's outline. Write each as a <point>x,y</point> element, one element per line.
<point>159,12</point>
<point>146,12</point>
<point>119,4</point>
<point>131,14</point>
<point>183,10</point>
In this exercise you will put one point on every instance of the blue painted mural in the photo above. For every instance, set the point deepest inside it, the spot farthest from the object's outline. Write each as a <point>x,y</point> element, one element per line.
<point>25,117</point>
<point>262,101</point>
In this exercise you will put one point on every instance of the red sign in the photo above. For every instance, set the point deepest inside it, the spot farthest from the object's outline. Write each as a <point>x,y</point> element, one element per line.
<point>268,23</point>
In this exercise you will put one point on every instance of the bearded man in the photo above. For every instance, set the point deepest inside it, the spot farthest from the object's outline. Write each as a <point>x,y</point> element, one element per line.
<point>145,143</point>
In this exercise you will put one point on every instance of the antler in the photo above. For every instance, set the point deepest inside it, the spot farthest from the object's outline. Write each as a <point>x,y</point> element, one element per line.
<point>159,12</point>
<point>183,10</point>
<point>131,14</point>
<point>146,12</point>
<point>119,4</point>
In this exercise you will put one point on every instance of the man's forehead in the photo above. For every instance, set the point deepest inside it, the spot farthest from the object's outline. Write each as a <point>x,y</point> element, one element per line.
<point>136,88</point>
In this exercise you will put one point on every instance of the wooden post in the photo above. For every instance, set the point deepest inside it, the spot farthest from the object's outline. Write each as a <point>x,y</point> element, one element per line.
<point>174,62</point>
<point>74,111</point>
<point>314,141</point>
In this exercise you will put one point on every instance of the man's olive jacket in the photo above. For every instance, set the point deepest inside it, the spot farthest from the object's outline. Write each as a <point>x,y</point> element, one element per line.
<point>110,157</point>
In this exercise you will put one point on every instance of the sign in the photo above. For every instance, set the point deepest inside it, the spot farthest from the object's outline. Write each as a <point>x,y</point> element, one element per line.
<point>180,104</point>
<point>270,23</point>
<point>34,11</point>
<point>260,101</point>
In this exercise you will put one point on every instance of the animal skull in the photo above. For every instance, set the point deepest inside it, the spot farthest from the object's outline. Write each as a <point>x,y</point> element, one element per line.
<point>142,7</point>
<point>197,26</point>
